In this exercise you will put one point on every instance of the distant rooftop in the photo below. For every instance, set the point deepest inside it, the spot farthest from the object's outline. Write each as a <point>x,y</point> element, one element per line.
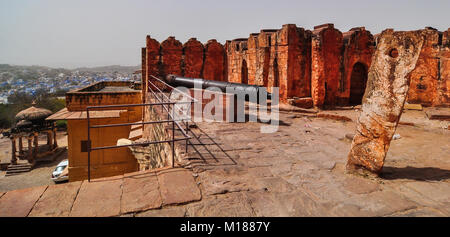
<point>109,86</point>
<point>116,89</point>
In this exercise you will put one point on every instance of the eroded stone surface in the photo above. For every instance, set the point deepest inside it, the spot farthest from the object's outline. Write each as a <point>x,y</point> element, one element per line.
<point>360,185</point>
<point>18,203</point>
<point>231,205</point>
<point>175,211</point>
<point>178,186</point>
<point>56,201</point>
<point>384,98</point>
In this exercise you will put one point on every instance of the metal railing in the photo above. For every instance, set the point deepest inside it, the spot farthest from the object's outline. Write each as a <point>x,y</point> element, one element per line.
<point>167,106</point>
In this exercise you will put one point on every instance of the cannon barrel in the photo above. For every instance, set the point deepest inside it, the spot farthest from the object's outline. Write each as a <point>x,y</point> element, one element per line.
<point>205,84</point>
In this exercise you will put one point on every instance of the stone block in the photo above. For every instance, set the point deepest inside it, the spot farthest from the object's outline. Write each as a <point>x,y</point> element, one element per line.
<point>56,201</point>
<point>140,192</point>
<point>18,203</point>
<point>178,186</point>
<point>98,199</point>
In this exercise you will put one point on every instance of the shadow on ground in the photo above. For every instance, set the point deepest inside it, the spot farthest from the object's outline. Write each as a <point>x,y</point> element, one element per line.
<point>415,173</point>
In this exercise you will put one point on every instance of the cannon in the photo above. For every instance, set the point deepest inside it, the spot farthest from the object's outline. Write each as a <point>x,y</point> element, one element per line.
<point>239,88</point>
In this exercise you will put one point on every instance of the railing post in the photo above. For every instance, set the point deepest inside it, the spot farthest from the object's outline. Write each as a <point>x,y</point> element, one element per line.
<point>173,134</point>
<point>187,132</point>
<point>89,144</point>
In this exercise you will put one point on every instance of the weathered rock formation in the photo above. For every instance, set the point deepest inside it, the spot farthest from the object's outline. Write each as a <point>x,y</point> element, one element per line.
<point>384,98</point>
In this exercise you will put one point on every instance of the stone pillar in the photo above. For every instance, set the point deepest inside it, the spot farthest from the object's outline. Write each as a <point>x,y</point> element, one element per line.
<point>20,146</point>
<point>55,142</point>
<point>30,148</point>
<point>388,83</point>
<point>13,151</point>
<point>50,139</point>
<point>36,145</point>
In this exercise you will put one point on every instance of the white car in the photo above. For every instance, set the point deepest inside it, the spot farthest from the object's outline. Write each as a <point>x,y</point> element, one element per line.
<point>60,173</point>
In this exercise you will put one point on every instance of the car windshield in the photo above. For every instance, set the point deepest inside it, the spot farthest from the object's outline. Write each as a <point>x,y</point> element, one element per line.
<point>60,168</point>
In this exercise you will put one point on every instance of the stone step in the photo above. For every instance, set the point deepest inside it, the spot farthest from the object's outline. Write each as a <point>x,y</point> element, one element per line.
<point>135,135</point>
<point>14,172</point>
<point>136,127</point>
<point>19,168</point>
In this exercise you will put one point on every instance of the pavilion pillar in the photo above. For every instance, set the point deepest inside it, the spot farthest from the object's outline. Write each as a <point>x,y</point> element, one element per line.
<point>20,146</point>
<point>36,145</point>
<point>55,142</point>
<point>48,137</point>
<point>30,148</point>
<point>50,140</point>
<point>13,151</point>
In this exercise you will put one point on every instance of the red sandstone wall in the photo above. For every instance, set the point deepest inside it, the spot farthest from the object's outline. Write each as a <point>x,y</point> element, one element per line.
<point>193,58</point>
<point>252,58</point>
<point>358,48</point>
<point>263,56</point>
<point>237,59</point>
<point>152,59</point>
<point>278,65</point>
<point>214,64</point>
<point>444,55</point>
<point>427,86</point>
<point>327,43</point>
<point>172,55</point>
<point>144,71</point>
<point>299,62</point>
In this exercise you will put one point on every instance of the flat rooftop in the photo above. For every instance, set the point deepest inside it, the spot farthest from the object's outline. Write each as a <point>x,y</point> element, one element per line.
<point>108,86</point>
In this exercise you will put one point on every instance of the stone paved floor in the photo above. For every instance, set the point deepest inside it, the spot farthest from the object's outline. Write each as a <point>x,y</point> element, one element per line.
<point>114,196</point>
<point>234,170</point>
<point>300,170</point>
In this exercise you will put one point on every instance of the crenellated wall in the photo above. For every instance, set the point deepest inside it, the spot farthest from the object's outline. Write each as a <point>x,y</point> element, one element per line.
<point>214,66</point>
<point>171,56</point>
<point>193,58</point>
<point>324,66</point>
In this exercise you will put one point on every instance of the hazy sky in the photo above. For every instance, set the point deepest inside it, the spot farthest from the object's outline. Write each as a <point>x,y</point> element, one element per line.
<point>63,33</point>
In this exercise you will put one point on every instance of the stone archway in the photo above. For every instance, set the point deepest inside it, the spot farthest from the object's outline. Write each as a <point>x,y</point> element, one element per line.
<point>358,81</point>
<point>244,72</point>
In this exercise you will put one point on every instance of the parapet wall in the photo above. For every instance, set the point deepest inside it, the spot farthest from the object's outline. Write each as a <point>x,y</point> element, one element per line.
<point>325,64</point>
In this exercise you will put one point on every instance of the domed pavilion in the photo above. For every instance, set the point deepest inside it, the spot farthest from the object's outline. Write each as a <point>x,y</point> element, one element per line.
<point>30,123</point>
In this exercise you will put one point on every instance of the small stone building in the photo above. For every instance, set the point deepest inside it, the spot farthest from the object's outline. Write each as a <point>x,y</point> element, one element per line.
<point>107,162</point>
